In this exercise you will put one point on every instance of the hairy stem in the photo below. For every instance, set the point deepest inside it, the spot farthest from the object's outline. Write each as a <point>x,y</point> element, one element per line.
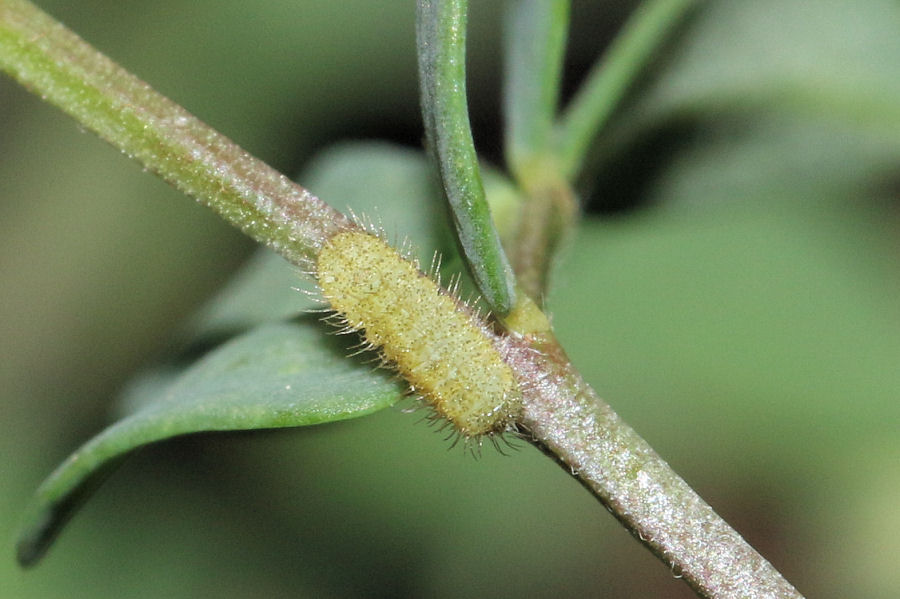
<point>549,213</point>
<point>571,424</point>
<point>64,70</point>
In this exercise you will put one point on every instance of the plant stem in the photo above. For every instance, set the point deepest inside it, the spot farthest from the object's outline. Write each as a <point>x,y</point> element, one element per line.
<point>575,427</point>
<point>64,70</point>
<point>535,35</point>
<point>441,41</point>
<point>549,213</point>
<point>613,76</point>
<point>535,40</point>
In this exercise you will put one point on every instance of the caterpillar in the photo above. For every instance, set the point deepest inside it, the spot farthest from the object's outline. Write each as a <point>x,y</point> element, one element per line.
<point>446,353</point>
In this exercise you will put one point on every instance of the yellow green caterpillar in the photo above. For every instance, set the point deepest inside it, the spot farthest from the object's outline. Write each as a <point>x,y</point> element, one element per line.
<point>448,355</point>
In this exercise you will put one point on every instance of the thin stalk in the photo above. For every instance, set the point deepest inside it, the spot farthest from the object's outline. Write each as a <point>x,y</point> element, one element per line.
<point>613,76</point>
<point>535,35</point>
<point>535,40</point>
<point>50,60</point>
<point>441,41</point>
<point>549,214</point>
<point>575,427</point>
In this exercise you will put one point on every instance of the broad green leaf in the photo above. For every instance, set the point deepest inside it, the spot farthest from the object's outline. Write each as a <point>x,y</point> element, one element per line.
<point>265,289</point>
<point>838,59</point>
<point>392,186</point>
<point>773,159</point>
<point>279,375</point>
<point>769,102</point>
<point>838,62</point>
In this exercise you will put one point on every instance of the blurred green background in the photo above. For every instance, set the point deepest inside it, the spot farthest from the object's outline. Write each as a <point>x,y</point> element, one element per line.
<point>732,293</point>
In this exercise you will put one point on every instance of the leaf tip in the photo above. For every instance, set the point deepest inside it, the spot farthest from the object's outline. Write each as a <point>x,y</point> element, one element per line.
<point>37,535</point>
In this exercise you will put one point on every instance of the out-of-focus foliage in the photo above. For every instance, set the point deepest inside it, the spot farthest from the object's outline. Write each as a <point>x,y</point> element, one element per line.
<point>276,376</point>
<point>279,374</point>
<point>742,317</point>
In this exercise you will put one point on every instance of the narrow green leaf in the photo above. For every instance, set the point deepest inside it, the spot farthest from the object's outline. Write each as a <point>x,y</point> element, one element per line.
<point>614,75</point>
<point>279,375</point>
<point>535,36</point>
<point>441,40</point>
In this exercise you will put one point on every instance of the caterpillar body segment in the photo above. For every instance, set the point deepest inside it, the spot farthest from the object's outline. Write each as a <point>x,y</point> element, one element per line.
<point>447,354</point>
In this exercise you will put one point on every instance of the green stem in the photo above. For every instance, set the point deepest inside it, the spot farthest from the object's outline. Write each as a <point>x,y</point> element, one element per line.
<point>63,69</point>
<point>575,427</point>
<point>441,40</point>
<point>535,38</point>
<point>549,213</point>
<point>613,76</point>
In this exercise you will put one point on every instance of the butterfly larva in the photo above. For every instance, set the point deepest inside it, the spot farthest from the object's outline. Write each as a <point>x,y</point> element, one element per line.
<point>445,352</point>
